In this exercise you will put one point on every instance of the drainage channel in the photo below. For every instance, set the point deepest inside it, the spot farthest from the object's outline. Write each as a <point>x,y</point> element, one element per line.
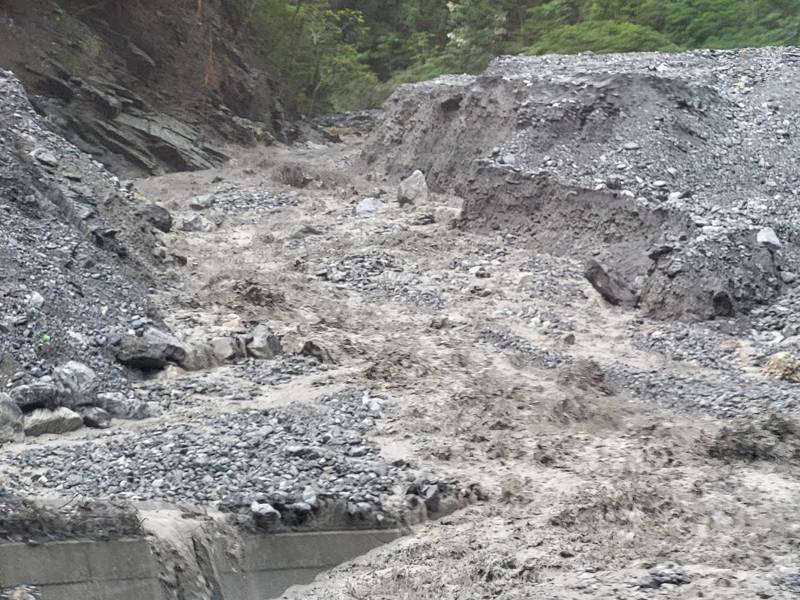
<point>250,567</point>
<point>166,552</point>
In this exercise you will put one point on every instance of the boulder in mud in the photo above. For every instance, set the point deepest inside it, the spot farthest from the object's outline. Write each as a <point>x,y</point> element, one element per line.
<point>154,350</point>
<point>227,349</point>
<point>608,286</point>
<point>11,420</point>
<point>158,216</point>
<point>197,224</point>
<point>60,420</point>
<point>368,207</point>
<point>265,344</point>
<point>413,189</point>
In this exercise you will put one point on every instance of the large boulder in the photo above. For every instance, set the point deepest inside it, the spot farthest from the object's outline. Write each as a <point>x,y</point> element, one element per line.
<point>60,420</point>
<point>40,394</point>
<point>79,383</point>
<point>608,286</point>
<point>154,350</point>
<point>11,420</point>
<point>413,189</point>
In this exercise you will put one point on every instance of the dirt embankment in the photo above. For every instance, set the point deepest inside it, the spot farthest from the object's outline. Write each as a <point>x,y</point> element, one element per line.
<point>675,171</point>
<point>146,88</point>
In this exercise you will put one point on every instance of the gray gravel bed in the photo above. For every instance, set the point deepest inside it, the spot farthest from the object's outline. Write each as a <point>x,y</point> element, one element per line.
<point>236,199</point>
<point>724,395</point>
<point>372,273</point>
<point>701,346</point>
<point>290,452</point>
<point>539,357</point>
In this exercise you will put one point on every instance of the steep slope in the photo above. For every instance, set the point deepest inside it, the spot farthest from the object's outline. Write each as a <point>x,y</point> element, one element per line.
<point>146,87</point>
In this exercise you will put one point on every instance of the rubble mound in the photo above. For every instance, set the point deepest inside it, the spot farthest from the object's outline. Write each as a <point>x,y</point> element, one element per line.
<point>675,172</point>
<point>75,247</point>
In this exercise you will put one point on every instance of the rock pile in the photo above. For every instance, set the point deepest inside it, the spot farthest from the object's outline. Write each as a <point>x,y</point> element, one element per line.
<point>75,245</point>
<point>558,150</point>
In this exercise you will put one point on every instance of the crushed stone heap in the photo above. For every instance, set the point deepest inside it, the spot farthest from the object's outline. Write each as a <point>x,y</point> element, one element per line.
<point>675,172</point>
<point>75,245</point>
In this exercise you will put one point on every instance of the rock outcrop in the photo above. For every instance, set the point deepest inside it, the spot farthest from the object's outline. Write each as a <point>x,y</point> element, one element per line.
<point>147,89</point>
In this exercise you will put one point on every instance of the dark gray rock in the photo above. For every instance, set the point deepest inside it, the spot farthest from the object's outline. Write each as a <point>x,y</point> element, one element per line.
<point>41,394</point>
<point>152,351</point>
<point>608,286</point>
<point>95,417</point>
<point>158,216</point>
<point>120,406</point>
<point>79,383</point>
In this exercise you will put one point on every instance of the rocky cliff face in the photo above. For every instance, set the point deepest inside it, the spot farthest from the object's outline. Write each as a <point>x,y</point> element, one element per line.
<point>674,171</point>
<point>146,89</point>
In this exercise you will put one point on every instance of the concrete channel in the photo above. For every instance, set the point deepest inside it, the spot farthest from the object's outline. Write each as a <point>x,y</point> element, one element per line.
<point>247,567</point>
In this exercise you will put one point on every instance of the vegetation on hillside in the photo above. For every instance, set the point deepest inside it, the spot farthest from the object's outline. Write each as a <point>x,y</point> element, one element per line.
<point>345,54</point>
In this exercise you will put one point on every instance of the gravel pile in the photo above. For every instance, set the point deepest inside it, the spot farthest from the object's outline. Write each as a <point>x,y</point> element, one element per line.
<point>289,453</point>
<point>721,394</point>
<point>250,374</point>
<point>701,346</point>
<point>383,274</point>
<point>234,199</point>
<point>559,150</point>
<point>74,244</point>
<point>538,357</point>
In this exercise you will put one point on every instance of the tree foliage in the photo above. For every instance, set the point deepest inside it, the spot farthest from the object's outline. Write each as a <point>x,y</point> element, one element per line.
<point>341,54</point>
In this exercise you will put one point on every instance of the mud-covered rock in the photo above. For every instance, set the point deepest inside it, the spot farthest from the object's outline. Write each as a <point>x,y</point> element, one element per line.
<point>60,420</point>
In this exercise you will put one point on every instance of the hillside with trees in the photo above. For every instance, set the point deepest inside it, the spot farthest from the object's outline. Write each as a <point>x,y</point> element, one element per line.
<point>340,54</point>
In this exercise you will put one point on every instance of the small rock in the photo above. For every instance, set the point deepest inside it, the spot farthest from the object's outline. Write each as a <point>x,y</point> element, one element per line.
<point>60,420</point>
<point>203,202</point>
<point>265,512</point>
<point>36,300</point>
<point>788,277</point>
<point>120,406</point>
<point>368,207</point>
<point>197,223</point>
<point>569,339</point>
<point>413,189</point>
<point>95,417</point>
<point>768,238</point>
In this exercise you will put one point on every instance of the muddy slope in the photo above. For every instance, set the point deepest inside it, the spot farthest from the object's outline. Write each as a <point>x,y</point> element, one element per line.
<point>665,167</point>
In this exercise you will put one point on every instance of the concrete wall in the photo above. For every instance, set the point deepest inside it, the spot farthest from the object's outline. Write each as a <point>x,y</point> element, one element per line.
<point>119,570</point>
<point>269,564</point>
<point>253,567</point>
